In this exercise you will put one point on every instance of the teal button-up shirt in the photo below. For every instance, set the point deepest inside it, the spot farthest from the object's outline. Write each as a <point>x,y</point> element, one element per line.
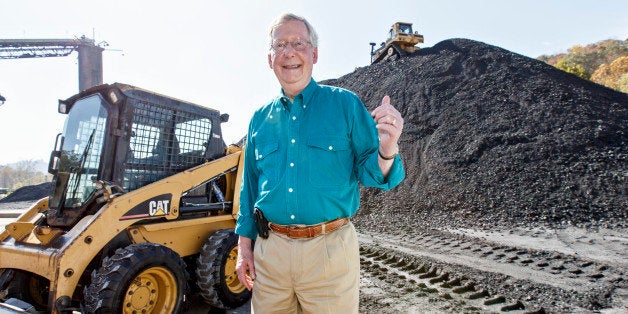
<point>303,159</point>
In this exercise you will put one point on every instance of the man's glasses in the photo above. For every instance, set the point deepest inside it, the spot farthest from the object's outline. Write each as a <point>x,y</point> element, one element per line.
<point>280,46</point>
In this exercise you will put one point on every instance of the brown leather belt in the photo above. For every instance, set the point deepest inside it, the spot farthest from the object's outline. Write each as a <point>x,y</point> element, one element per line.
<point>304,232</point>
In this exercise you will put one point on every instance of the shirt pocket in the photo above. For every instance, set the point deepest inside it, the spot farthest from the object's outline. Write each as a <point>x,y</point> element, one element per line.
<point>330,161</point>
<point>267,159</point>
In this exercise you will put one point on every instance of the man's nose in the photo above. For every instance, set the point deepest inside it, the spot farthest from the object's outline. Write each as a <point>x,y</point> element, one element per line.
<point>289,50</point>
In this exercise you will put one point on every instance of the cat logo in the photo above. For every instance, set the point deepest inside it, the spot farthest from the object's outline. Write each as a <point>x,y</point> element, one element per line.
<point>157,206</point>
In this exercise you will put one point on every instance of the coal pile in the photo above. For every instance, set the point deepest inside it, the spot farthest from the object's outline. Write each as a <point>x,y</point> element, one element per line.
<point>29,193</point>
<point>497,139</point>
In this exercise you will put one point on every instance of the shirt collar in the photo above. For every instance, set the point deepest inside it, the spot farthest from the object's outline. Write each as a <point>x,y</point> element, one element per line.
<point>306,93</point>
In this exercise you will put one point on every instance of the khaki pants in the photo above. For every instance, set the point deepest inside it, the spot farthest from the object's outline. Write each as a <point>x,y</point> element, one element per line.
<point>316,275</point>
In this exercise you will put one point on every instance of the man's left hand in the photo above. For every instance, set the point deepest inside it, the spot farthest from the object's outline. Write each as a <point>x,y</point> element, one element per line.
<point>389,127</point>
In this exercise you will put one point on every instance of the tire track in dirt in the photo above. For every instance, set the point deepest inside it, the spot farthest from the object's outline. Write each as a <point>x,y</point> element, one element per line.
<point>440,271</point>
<point>393,283</point>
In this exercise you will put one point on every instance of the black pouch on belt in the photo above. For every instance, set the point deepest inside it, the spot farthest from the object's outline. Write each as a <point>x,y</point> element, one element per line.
<point>262,223</point>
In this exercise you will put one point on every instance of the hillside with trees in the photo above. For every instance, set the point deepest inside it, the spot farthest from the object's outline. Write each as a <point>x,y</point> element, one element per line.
<point>22,173</point>
<point>604,62</point>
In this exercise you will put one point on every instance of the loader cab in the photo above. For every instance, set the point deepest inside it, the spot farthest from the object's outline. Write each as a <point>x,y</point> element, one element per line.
<point>128,137</point>
<point>76,159</point>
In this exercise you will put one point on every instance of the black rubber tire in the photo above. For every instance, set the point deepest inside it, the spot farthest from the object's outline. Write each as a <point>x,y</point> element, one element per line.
<point>25,286</point>
<point>123,275</point>
<point>215,271</point>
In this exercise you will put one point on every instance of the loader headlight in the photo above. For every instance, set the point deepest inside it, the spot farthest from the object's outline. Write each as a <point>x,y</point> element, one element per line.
<point>62,108</point>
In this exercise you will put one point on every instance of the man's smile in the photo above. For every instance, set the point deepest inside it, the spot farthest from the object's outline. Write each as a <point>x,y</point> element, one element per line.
<point>292,66</point>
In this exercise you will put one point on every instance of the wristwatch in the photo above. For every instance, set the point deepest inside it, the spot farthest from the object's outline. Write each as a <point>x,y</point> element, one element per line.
<point>388,157</point>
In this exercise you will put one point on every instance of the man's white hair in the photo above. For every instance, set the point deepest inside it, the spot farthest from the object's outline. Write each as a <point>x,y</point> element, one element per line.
<point>287,17</point>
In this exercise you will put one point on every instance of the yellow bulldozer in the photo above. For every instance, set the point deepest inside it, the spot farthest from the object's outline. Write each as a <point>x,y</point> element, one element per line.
<point>141,213</point>
<point>401,42</point>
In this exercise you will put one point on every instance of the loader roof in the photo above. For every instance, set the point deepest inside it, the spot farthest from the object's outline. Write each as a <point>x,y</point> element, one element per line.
<point>114,91</point>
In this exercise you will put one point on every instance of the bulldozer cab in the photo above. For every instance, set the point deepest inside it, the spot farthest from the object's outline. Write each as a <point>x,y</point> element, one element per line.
<point>400,28</point>
<point>127,136</point>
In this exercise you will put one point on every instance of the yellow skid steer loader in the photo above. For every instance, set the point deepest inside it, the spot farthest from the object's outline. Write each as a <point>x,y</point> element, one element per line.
<point>141,213</point>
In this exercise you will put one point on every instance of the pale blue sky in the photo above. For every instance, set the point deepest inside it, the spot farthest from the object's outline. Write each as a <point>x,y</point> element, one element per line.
<point>214,53</point>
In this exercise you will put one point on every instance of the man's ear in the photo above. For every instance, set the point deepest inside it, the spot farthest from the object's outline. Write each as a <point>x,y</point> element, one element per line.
<point>315,55</point>
<point>270,60</point>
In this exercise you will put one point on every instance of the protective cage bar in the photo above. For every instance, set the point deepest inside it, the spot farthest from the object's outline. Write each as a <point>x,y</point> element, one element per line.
<point>164,142</point>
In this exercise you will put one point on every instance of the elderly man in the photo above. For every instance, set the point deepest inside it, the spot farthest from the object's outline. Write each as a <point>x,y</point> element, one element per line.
<point>305,153</point>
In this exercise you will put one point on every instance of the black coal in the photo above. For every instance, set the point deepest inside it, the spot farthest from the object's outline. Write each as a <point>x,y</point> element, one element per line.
<point>494,138</point>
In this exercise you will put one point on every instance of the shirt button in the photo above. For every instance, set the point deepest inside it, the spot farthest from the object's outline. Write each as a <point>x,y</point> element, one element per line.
<point>290,190</point>
<point>271,116</point>
<point>291,216</point>
<point>304,106</point>
<point>291,164</point>
<point>293,141</point>
<point>260,156</point>
<point>331,147</point>
<point>294,118</point>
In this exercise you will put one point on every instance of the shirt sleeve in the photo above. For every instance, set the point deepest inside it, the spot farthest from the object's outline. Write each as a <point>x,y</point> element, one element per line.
<point>245,225</point>
<point>366,145</point>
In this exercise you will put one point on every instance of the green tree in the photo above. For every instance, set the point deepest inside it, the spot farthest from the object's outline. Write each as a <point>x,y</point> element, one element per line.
<point>573,68</point>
